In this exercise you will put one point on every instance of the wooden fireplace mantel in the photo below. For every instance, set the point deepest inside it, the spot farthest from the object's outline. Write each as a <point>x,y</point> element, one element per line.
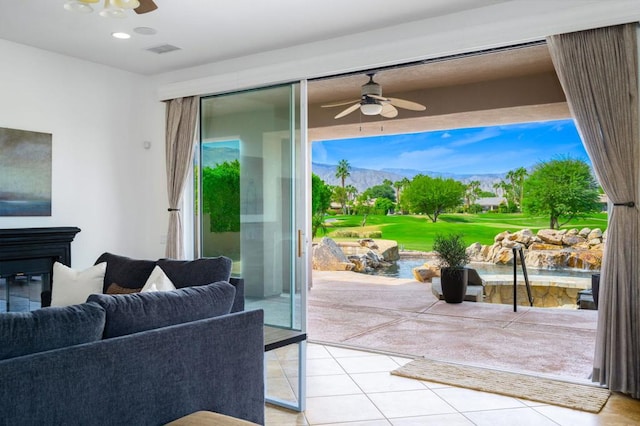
<point>34,243</point>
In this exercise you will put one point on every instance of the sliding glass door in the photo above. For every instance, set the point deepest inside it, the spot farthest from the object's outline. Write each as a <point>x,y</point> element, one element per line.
<point>252,178</point>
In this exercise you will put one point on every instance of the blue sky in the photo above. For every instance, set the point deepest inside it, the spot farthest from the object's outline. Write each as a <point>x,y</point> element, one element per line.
<point>495,149</point>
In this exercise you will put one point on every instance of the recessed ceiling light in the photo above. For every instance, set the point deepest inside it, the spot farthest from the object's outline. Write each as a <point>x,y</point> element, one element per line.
<point>145,30</point>
<point>121,36</point>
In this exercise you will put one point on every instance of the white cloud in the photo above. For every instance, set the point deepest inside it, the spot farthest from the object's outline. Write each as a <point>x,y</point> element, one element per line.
<point>475,137</point>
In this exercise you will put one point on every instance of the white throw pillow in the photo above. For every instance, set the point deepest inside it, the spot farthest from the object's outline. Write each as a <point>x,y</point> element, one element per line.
<point>158,281</point>
<point>71,287</point>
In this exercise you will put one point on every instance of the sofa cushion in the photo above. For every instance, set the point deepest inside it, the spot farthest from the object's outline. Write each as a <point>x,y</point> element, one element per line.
<point>188,273</point>
<point>132,313</point>
<point>124,271</point>
<point>23,333</point>
<point>71,287</point>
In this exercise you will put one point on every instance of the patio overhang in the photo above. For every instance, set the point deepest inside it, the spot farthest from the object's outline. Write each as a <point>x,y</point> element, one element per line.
<point>501,87</point>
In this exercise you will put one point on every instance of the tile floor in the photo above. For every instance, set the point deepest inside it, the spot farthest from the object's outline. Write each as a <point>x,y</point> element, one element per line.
<point>353,387</point>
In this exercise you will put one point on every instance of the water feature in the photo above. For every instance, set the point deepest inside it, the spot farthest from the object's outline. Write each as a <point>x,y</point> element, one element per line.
<point>403,268</point>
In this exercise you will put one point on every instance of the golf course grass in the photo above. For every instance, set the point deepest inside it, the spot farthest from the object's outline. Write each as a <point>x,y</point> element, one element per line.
<point>414,232</point>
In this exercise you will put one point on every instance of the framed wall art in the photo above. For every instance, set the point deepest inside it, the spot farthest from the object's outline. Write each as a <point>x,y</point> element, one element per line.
<point>25,173</point>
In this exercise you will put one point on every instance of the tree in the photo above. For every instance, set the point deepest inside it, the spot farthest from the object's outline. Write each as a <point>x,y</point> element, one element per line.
<point>350,192</point>
<point>320,202</point>
<point>432,196</point>
<point>512,187</point>
<point>363,206</point>
<point>563,189</point>
<point>383,205</point>
<point>516,185</point>
<point>472,193</point>
<point>382,191</point>
<point>400,185</point>
<point>343,170</point>
<point>222,183</point>
<point>339,195</point>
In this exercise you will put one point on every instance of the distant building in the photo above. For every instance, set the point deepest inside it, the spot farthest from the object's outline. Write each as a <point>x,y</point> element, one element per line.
<point>490,203</point>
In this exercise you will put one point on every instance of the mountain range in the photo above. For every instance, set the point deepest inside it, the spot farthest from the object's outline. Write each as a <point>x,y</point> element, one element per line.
<point>366,178</point>
<point>359,177</point>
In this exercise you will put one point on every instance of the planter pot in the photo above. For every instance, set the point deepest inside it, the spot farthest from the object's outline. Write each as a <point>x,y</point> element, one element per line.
<point>595,288</point>
<point>454,284</point>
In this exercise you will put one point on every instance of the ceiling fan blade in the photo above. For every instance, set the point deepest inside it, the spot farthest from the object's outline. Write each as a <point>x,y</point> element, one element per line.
<point>348,110</point>
<point>339,103</point>
<point>388,111</point>
<point>403,103</point>
<point>146,6</point>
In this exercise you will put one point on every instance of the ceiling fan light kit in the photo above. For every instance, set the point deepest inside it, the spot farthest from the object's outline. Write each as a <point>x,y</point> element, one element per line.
<point>370,107</point>
<point>112,8</point>
<point>373,103</point>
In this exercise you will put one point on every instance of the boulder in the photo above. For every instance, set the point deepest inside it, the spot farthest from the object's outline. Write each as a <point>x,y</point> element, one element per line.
<point>504,256</point>
<point>388,250</point>
<point>572,239</point>
<point>595,233</point>
<point>368,243</point>
<point>584,232</point>
<point>547,259</point>
<point>585,259</point>
<point>543,246</point>
<point>327,256</point>
<point>509,243</point>
<point>359,263</point>
<point>524,236</point>
<point>551,236</point>
<point>475,252</point>
<point>425,272</point>
<point>501,236</point>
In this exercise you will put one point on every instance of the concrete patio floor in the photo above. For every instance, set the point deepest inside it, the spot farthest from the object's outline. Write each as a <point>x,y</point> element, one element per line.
<point>401,316</point>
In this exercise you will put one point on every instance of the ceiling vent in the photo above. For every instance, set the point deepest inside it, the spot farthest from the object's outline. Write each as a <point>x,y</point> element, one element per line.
<point>165,48</point>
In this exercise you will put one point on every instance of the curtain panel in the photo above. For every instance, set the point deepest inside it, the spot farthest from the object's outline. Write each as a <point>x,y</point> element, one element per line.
<point>181,119</point>
<point>598,70</point>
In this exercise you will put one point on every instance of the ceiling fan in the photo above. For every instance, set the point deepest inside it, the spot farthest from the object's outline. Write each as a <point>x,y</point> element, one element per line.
<point>112,8</point>
<point>373,103</point>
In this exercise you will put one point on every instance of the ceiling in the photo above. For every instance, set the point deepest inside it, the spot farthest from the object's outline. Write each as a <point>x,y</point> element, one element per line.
<point>505,86</point>
<point>207,31</point>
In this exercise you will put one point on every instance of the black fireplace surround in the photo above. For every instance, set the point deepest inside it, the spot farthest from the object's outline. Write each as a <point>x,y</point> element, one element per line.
<point>33,251</point>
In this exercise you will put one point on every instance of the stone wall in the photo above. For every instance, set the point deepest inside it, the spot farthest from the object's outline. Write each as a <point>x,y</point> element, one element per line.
<point>549,248</point>
<point>546,294</point>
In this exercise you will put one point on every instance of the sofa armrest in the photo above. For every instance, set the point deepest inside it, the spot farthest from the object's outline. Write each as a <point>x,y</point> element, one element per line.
<point>238,301</point>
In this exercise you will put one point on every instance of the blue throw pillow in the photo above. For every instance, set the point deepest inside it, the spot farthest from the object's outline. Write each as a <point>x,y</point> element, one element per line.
<point>23,333</point>
<point>125,272</point>
<point>132,313</point>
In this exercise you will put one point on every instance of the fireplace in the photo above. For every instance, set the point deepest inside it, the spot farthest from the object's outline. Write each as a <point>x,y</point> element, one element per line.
<point>26,263</point>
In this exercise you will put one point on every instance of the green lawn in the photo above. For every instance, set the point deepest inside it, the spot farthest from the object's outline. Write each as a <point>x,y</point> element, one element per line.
<point>417,232</point>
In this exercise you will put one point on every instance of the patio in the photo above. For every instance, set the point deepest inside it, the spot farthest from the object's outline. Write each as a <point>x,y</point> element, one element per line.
<point>401,316</point>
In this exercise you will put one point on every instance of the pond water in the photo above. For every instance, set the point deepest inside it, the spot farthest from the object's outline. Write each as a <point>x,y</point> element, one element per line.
<point>403,268</point>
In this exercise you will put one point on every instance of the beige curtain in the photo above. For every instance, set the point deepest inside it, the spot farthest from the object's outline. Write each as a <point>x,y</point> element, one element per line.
<point>598,70</point>
<point>180,132</point>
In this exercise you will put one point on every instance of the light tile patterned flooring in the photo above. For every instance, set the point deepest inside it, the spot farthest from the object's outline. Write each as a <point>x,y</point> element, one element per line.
<point>352,387</point>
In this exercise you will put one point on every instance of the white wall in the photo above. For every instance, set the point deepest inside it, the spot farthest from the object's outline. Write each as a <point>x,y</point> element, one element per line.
<point>103,180</point>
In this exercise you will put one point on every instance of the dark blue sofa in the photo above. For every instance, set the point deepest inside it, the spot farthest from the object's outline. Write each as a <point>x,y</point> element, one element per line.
<point>137,359</point>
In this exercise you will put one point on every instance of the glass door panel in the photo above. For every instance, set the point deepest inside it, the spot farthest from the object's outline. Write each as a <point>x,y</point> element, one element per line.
<point>249,168</point>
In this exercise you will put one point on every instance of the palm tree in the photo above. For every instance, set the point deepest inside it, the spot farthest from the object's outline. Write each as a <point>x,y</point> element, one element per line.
<point>351,192</point>
<point>343,169</point>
